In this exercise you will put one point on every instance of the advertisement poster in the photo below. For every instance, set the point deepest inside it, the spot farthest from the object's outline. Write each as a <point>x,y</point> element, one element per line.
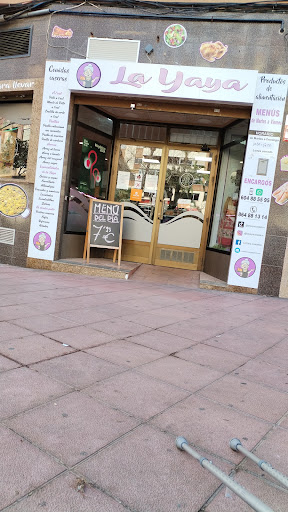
<point>257,180</point>
<point>151,182</point>
<point>123,178</point>
<point>92,166</point>
<point>49,168</point>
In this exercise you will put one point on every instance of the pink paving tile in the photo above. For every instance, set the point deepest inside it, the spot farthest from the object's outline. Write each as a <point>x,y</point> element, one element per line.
<point>252,398</point>
<point>32,349</point>
<point>82,316</point>
<point>210,426</point>
<point>216,358</point>
<point>23,388</point>
<point>22,467</point>
<point>137,394</point>
<point>72,427</point>
<point>61,495</point>
<point>249,340</point>
<point>176,313</point>
<point>151,320</point>
<point>277,355</point>
<point>15,311</point>
<point>81,337</point>
<point>147,473</point>
<point>162,341</point>
<point>227,501</point>
<point>6,364</point>
<point>125,353</point>
<point>273,449</point>
<point>78,370</point>
<point>9,331</point>
<point>181,373</point>
<point>115,310</point>
<point>43,323</point>
<point>120,328</point>
<point>264,373</point>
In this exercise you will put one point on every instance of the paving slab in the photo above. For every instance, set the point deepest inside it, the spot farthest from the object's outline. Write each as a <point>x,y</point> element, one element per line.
<point>227,501</point>
<point>210,426</point>
<point>183,374</point>
<point>137,394</point>
<point>120,328</point>
<point>263,373</point>
<point>81,337</point>
<point>212,357</point>
<point>61,495</point>
<point>78,369</point>
<point>161,341</point>
<point>147,473</point>
<point>72,427</point>
<point>15,311</point>
<point>250,397</point>
<point>22,467</point>
<point>43,323</point>
<point>125,353</point>
<point>7,364</point>
<point>22,389</point>
<point>9,331</point>
<point>82,316</point>
<point>32,349</point>
<point>277,355</point>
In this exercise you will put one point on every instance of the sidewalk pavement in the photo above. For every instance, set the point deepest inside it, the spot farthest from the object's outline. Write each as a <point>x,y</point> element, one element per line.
<point>98,377</point>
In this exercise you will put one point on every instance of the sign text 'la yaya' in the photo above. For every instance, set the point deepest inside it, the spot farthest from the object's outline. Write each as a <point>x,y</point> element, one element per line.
<point>208,85</point>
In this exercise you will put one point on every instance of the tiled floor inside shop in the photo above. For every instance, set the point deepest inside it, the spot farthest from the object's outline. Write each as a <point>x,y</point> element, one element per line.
<point>98,376</point>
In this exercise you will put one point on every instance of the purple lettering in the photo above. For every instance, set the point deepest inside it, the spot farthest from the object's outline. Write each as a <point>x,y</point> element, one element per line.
<point>175,83</point>
<point>213,85</point>
<point>233,84</point>
<point>135,79</point>
<point>191,81</point>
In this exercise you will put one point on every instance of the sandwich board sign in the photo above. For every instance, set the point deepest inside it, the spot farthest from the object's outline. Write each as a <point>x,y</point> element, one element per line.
<point>104,227</point>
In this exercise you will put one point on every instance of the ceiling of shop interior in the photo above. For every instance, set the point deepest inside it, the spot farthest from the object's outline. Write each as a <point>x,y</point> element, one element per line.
<point>167,117</point>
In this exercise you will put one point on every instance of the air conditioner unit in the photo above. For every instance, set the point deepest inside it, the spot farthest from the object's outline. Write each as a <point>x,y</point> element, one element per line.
<point>113,49</point>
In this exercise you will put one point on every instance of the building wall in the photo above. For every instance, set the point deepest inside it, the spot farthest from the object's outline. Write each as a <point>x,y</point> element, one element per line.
<point>258,46</point>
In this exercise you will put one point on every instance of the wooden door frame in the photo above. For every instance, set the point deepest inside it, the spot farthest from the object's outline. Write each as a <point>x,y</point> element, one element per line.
<point>161,183</point>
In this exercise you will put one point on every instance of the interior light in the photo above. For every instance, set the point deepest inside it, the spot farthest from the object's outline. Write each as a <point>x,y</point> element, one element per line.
<point>204,159</point>
<point>202,172</point>
<point>80,142</point>
<point>241,162</point>
<point>150,161</point>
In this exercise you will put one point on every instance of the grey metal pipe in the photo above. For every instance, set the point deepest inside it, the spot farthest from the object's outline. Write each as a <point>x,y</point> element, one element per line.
<point>237,446</point>
<point>245,495</point>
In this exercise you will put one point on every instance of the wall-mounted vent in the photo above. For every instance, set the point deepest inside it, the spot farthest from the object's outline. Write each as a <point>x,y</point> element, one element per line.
<point>7,236</point>
<point>180,256</point>
<point>15,43</point>
<point>113,49</point>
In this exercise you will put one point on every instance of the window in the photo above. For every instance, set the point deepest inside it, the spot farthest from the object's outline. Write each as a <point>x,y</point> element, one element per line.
<point>15,119</point>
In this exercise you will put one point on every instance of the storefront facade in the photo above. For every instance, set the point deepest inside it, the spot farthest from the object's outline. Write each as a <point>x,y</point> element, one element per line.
<point>195,152</point>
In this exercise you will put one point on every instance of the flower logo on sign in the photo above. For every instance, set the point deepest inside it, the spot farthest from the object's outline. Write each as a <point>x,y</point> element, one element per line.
<point>175,36</point>
<point>186,179</point>
<point>88,75</point>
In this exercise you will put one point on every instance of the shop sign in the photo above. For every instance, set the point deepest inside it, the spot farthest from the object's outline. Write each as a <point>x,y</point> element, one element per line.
<point>156,80</point>
<point>136,194</point>
<point>49,167</point>
<point>257,180</point>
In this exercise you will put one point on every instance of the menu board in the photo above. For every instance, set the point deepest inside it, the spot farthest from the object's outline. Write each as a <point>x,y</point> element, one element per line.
<point>104,227</point>
<point>51,148</point>
<point>257,180</point>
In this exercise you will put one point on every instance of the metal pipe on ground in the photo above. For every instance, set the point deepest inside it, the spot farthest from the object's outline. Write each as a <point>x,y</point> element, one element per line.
<point>237,446</point>
<point>245,495</point>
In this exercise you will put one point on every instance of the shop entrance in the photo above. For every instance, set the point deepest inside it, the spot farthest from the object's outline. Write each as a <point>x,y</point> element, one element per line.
<point>167,191</point>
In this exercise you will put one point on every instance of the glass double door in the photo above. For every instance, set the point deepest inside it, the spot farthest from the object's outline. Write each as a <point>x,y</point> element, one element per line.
<point>167,193</point>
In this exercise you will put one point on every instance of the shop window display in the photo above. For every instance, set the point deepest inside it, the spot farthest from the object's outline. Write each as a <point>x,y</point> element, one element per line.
<point>14,139</point>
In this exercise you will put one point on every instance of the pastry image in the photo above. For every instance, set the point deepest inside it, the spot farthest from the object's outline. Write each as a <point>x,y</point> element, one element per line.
<point>284,163</point>
<point>62,32</point>
<point>281,194</point>
<point>211,51</point>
